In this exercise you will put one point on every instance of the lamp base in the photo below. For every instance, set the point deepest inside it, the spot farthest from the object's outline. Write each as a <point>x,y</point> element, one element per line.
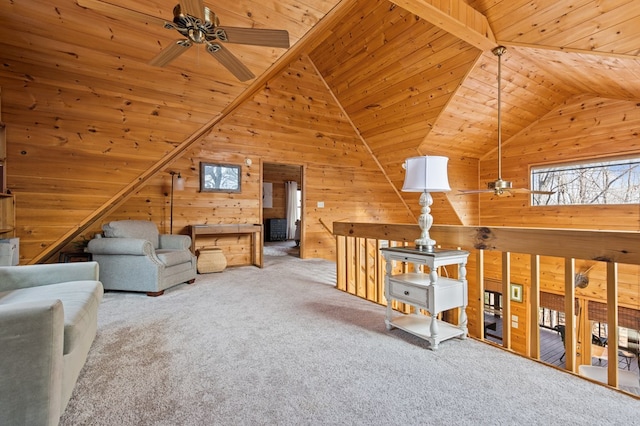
<point>425,220</point>
<point>426,247</point>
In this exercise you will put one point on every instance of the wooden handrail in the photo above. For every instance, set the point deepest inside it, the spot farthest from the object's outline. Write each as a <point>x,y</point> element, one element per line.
<point>359,272</point>
<point>603,246</point>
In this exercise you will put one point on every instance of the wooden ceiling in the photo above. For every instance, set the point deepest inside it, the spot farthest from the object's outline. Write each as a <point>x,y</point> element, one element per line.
<point>411,80</point>
<point>411,76</point>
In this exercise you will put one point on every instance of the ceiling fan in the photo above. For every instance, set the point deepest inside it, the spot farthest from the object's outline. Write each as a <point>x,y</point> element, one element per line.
<point>581,278</point>
<point>500,187</point>
<point>199,25</point>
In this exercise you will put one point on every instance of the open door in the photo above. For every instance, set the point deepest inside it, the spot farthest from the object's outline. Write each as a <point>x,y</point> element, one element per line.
<point>282,207</point>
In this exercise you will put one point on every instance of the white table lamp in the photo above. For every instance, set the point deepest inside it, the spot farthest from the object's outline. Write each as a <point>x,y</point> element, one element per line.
<point>426,174</point>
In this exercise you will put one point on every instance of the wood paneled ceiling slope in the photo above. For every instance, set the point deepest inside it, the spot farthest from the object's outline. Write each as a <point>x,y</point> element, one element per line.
<point>412,76</point>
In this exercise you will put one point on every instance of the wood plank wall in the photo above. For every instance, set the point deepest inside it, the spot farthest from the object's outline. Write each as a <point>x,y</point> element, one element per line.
<point>293,120</point>
<point>583,128</point>
<point>75,139</point>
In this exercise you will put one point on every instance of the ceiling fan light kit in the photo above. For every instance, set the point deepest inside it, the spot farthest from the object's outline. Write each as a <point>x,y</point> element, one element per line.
<point>499,185</point>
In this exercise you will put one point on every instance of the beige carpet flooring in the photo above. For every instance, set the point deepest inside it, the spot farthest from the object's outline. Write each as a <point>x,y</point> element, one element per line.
<point>281,346</point>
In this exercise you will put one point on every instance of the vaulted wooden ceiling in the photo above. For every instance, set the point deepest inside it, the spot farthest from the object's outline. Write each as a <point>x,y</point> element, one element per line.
<point>412,76</point>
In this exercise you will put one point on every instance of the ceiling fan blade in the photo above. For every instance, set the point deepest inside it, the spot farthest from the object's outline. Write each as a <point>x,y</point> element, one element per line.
<point>192,7</point>
<point>520,190</point>
<point>474,191</point>
<point>170,53</point>
<point>529,191</point>
<point>120,12</point>
<point>229,61</point>
<point>254,36</point>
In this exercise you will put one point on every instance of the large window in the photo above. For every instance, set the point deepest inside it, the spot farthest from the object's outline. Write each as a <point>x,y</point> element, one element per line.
<point>598,182</point>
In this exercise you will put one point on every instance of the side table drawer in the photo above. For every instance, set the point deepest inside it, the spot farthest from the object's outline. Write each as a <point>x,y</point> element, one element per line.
<point>409,293</point>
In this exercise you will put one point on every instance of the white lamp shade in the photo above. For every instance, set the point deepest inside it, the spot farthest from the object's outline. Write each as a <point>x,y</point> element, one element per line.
<point>426,174</point>
<point>179,183</point>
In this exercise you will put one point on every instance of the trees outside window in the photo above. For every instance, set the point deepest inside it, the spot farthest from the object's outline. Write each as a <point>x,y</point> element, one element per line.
<point>598,182</point>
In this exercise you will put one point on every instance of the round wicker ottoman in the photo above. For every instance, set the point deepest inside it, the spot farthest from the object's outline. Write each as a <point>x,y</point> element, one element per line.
<point>211,260</point>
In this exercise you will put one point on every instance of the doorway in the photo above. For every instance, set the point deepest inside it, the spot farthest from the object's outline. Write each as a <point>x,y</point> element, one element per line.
<point>282,209</point>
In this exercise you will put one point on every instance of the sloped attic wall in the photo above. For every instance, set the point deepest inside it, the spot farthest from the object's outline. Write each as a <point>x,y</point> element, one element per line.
<point>294,120</point>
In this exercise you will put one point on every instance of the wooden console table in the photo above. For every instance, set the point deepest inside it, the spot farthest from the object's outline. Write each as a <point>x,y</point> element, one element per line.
<point>253,229</point>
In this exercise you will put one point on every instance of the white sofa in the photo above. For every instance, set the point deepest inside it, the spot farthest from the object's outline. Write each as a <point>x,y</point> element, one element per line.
<point>48,321</point>
<point>133,256</point>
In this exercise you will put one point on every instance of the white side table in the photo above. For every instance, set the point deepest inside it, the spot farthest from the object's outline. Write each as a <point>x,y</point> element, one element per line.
<point>428,291</point>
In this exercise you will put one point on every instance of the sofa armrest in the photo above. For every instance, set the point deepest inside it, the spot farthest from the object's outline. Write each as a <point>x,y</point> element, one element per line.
<point>128,246</point>
<point>31,343</point>
<point>15,277</point>
<point>175,242</point>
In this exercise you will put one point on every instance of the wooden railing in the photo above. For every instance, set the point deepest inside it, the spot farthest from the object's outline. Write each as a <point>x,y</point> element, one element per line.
<point>498,253</point>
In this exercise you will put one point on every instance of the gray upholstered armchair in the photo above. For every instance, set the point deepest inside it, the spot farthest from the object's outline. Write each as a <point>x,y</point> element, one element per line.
<point>133,256</point>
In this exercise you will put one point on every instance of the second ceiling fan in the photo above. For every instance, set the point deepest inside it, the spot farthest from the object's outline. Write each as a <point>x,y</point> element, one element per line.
<point>199,25</point>
<point>499,186</point>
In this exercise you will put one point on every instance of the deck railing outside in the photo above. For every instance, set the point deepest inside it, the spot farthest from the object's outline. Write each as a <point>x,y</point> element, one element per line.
<point>360,271</point>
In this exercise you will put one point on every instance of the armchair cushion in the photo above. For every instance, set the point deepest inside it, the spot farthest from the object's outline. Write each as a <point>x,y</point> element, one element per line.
<point>121,246</point>
<point>173,257</point>
<point>140,229</point>
<point>176,242</point>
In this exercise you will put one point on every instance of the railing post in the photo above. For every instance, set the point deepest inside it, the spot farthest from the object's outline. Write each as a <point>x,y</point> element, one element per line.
<point>358,267</point>
<point>612,322</point>
<point>341,263</point>
<point>480,285</point>
<point>570,314</point>
<point>534,300</point>
<point>380,272</point>
<point>506,299</point>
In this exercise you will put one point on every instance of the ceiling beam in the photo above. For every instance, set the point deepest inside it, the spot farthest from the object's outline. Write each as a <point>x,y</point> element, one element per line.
<point>570,50</point>
<point>455,17</point>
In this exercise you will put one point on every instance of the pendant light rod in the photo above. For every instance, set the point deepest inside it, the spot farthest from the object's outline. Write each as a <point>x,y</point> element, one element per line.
<point>498,51</point>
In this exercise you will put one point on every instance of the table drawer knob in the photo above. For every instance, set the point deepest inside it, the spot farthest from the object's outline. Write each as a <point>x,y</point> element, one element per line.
<point>406,292</point>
